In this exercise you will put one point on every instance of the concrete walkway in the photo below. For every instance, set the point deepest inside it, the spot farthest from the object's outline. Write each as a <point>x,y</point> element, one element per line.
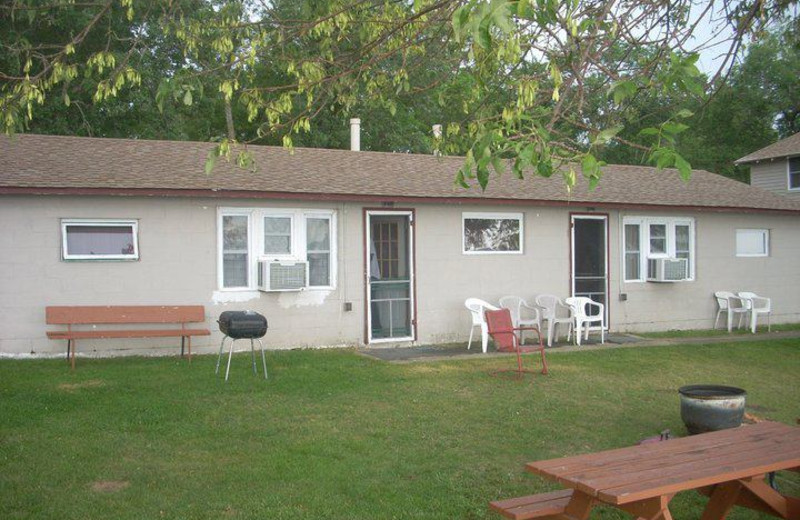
<point>459,350</point>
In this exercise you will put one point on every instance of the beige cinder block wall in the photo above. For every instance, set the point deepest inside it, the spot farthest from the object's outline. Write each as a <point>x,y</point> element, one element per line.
<point>178,265</point>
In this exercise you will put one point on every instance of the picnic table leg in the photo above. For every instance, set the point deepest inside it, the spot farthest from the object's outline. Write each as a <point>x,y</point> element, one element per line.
<point>650,509</point>
<point>757,494</point>
<point>722,500</point>
<point>579,506</point>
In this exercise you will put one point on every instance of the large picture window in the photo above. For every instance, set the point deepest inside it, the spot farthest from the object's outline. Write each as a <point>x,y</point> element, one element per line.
<point>492,233</point>
<point>247,235</point>
<point>646,238</point>
<point>107,239</point>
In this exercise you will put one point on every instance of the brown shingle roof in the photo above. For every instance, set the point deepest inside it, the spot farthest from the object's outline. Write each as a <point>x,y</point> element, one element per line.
<point>783,148</point>
<point>57,164</point>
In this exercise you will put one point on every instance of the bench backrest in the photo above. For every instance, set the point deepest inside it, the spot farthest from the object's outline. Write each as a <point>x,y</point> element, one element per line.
<point>125,314</point>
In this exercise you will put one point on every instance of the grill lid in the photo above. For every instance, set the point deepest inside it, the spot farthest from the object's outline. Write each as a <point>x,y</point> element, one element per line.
<point>242,324</point>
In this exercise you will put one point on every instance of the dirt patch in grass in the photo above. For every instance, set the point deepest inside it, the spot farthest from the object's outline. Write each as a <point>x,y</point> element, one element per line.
<point>73,387</point>
<point>109,486</point>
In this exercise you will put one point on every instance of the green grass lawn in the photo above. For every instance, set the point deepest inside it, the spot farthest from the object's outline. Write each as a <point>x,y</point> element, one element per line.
<point>694,333</point>
<point>333,434</point>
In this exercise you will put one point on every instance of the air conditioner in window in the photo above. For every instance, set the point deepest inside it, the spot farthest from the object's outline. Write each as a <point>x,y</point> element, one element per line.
<point>274,275</point>
<point>667,269</point>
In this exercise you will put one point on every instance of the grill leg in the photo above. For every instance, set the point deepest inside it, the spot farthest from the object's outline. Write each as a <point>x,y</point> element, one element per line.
<point>253,355</point>
<point>230,355</point>
<point>263,358</point>
<point>219,356</point>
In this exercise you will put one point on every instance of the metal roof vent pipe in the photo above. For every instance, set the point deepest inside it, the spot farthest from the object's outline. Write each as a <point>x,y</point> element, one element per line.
<point>355,134</point>
<point>437,138</point>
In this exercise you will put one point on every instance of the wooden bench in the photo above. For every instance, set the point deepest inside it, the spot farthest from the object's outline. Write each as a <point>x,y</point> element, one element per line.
<point>533,506</point>
<point>125,315</point>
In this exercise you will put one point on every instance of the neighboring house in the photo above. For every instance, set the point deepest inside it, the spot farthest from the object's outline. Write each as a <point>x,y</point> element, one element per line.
<point>385,246</point>
<point>776,168</point>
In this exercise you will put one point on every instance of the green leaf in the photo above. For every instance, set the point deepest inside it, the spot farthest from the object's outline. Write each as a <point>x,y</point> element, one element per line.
<point>684,113</point>
<point>460,20</point>
<point>211,161</point>
<point>482,35</point>
<point>605,135</point>
<point>544,168</point>
<point>498,164</point>
<point>674,128</point>
<point>683,166</point>
<point>187,98</point>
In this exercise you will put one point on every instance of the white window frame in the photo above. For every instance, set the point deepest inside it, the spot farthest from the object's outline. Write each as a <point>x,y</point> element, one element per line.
<point>132,223</point>
<point>255,236</point>
<point>251,271</point>
<point>764,233</point>
<point>789,173</point>
<point>644,243</point>
<point>292,237</point>
<point>492,216</point>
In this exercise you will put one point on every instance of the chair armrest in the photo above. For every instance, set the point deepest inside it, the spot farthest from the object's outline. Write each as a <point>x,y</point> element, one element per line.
<point>538,311</point>
<point>760,301</point>
<point>737,302</point>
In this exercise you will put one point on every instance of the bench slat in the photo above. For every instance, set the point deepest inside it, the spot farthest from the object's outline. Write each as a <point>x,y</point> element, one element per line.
<point>139,333</point>
<point>77,315</point>
<point>533,506</point>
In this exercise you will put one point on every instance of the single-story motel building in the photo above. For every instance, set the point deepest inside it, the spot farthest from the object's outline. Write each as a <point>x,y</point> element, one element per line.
<point>349,248</point>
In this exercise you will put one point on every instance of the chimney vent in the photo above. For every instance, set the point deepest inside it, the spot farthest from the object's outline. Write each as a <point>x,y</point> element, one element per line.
<point>355,134</point>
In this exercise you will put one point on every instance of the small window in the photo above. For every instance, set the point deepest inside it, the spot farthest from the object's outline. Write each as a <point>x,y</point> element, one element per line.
<point>84,239</point>
<point>752,242</point>
<point>235,251</point>
<point>492,233</point>
<point>278,235</point>
<point>794,173</point>
<point>318,250</point>
<point>632,253</point>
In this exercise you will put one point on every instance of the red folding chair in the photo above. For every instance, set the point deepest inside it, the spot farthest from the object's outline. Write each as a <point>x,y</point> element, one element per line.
<point>502,331</point>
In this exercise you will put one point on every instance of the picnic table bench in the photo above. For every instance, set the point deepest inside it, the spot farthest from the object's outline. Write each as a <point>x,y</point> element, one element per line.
<point>729,466</point>
<point>125,315</point>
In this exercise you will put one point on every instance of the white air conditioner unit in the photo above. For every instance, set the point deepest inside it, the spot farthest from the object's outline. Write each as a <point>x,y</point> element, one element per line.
<point>667,269</point>
<point>274,275</point>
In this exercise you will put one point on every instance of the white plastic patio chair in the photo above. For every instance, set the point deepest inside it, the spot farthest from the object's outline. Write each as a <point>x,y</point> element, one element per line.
<point>554,313</point>
<point>731,305</point>
<point>756,305</point>
<point>523,314</point>
<point>584,320</point>
<point>476,308</point>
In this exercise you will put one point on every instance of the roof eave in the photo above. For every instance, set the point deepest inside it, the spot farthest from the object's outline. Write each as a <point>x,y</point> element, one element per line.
<point>344,197</point>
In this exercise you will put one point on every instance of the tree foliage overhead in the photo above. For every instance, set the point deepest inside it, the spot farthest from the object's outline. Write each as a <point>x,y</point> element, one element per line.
<point>549,84</point>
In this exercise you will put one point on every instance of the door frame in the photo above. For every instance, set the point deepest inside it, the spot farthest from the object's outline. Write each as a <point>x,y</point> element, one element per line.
<point>411,214</point>
<point>591,216</point>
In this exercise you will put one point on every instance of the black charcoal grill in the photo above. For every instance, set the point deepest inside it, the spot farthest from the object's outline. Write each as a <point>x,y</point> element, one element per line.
<point>242,325</point>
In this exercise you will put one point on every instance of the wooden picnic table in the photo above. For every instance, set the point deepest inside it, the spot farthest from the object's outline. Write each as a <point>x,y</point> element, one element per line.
<point>729,466</point>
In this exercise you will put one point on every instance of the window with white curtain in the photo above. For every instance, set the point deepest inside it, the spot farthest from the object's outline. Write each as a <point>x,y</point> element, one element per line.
<point>247,235</point>
<point>99,239</point>
<point>656,237</point>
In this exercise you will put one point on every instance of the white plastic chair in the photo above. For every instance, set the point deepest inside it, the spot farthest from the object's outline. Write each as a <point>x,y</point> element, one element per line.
<point>522,313</point>
<point>476,308</point>
<point>554,313</point>
<point>756,305</point>
<point>584,320</point>
<point>731,305</point>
